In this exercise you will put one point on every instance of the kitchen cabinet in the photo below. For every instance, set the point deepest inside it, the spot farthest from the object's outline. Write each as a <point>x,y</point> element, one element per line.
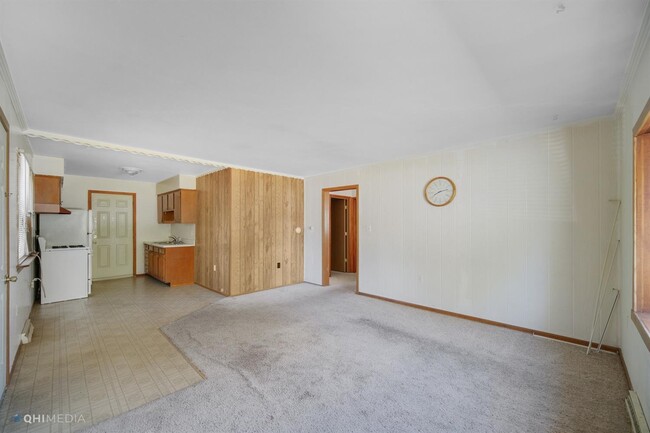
<point>173,265</point>
<point>177,207</point>
<point>47,194</point>
<point>159,207</point>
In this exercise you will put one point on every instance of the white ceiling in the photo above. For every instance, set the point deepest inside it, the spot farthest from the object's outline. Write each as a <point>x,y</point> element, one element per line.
<point>305,87</point>
<point>85,161</point>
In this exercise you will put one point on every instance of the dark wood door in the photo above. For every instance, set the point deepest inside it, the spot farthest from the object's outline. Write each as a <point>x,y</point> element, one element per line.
<point>338,212</point>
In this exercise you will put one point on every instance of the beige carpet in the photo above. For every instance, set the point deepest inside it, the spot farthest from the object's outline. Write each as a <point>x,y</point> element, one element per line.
<point>311,359</point>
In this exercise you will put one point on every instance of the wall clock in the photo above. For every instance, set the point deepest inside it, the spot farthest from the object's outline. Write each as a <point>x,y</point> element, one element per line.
<point>440,191</point>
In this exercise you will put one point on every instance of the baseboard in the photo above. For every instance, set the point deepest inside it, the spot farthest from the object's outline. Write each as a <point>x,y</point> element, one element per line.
<point>13,366</point>
<point>627,374</point>
<point>494,323</point>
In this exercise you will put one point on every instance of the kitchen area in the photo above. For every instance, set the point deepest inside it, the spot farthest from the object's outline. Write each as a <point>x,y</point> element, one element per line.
<point>231,231</point>
<point>147,231</point>
<point>172,261</point>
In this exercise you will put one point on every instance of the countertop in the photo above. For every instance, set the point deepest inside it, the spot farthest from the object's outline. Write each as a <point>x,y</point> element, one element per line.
<point>159,245</point>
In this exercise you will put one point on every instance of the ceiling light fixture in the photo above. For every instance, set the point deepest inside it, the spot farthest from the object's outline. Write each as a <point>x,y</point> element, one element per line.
<point>131,171</point>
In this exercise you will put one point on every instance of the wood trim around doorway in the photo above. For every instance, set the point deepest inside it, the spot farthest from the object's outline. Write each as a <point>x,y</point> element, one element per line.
<point>90,207</point>
<point>326,234</point>
<point>641,222</point>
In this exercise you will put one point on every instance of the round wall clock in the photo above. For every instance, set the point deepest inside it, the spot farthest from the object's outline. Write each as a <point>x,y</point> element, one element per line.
<point>440,191</point>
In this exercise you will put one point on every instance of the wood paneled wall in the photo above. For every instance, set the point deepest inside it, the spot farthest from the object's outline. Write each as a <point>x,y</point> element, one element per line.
<point>212,241</point>
<point>246,228</point>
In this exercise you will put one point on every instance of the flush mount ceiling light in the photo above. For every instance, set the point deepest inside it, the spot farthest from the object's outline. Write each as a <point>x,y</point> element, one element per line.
<point>131,171</point>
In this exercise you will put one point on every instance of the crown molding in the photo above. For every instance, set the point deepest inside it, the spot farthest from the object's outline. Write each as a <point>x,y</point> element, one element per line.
<point>102,145</point>
<point>11,89</point>
<point>637,52</point>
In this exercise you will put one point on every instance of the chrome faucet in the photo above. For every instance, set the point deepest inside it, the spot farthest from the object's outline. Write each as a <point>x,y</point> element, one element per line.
<point>175,239</point>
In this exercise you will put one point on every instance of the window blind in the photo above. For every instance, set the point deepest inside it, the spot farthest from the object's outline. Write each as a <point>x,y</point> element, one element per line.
<point>25,207</point>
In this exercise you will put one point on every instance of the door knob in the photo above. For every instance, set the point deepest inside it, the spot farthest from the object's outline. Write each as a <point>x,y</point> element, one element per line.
<point>9,279</point>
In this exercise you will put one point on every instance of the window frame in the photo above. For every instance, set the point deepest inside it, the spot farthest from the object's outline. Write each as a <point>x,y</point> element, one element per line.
<point>640,313</point>
<point>25,181</point>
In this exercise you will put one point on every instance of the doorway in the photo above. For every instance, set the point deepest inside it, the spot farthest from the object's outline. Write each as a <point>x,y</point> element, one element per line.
<point>343,249</point>
<point>114,231</point>
<point>340,231</point>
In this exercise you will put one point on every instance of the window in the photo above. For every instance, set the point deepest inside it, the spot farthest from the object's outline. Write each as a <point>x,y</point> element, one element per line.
<point>25,208</point>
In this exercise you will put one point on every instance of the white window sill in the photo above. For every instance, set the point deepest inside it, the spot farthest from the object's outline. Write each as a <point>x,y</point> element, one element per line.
<point>26,261</point>
<point>642,323</point>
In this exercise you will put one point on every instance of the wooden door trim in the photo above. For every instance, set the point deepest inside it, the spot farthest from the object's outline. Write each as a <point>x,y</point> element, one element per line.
<point>7,246</point>
<point>353,227</point>
<point>90,207</point>
<point>326,232</point>
<point>640,275</point>
<point>642,125</point>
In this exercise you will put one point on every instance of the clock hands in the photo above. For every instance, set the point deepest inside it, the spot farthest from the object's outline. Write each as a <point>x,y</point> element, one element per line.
<point>440,192</point>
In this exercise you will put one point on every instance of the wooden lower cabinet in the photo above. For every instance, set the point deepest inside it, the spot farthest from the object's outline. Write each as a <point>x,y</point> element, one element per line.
<point>172,265</point>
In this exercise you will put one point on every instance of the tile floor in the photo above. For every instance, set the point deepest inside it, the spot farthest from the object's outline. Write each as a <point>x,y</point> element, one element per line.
<point>101,356</point>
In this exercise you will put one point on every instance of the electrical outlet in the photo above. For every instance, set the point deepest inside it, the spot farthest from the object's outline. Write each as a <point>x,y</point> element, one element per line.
<point>214,268</point>
<point>278,265</point>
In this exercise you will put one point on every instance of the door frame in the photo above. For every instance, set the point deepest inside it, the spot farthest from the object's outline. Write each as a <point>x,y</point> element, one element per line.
<point>132,194</point>
<point>327,234</point>
<point>7,247</point>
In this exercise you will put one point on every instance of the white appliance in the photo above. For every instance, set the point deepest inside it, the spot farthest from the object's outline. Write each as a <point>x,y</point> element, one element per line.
<point>65,243</point>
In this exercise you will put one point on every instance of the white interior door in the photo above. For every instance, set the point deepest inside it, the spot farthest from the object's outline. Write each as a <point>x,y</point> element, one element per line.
<point>112,236</point>
<point>4,256</point>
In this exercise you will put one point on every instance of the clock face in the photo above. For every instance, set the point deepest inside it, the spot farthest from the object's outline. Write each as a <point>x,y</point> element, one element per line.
<point>440,191</point>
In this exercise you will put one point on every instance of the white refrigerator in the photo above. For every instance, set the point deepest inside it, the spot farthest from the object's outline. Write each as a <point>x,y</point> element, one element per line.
<point>65,243</point>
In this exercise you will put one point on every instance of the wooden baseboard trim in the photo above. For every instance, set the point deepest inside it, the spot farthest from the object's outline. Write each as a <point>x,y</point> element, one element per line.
<point>627,374</point>
<point>494,323</point>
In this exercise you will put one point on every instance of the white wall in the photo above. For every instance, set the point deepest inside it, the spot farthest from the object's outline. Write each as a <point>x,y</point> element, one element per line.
<point>48,165</point>
<point>522,243</point>
<point>75,195</point>
<point>180,181</point>
<point>635,353</point>
<point>21,296</point>
<point>346,193</point>
<point>184,231</point>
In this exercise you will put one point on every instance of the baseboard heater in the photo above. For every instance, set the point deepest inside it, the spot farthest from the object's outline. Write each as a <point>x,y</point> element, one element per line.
<point>28,330</point>
<point>634,409</point>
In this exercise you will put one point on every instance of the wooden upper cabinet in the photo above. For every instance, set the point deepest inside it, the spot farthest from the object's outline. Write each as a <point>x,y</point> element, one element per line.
<point>160,208</point>
<point>177,207</point>
<point>47,194</point>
